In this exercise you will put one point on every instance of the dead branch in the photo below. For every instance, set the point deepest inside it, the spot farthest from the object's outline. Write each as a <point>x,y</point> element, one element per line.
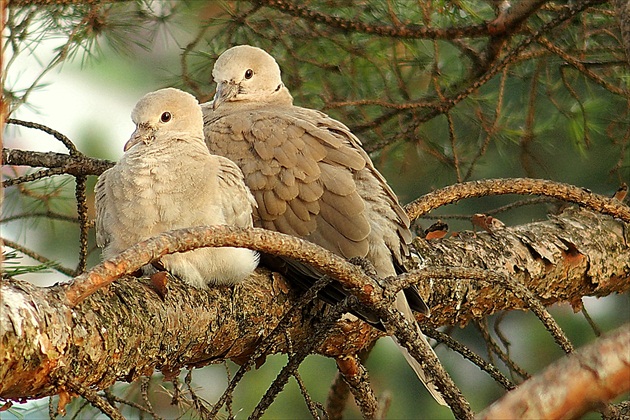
<point>572,386</point>
<point>337,397</point>
<point>182,240</point>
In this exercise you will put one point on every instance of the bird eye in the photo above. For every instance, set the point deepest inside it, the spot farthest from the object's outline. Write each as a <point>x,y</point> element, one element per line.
<point>166,117</point>
<point>249,73</point>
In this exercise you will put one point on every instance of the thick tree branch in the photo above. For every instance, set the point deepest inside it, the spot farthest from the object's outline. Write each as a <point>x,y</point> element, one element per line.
<point>560,260</point>
<point>126,330</point>
<point>574,385</point>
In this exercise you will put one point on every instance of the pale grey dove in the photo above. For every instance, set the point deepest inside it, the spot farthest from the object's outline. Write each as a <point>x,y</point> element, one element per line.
<point>308,172</point>
<point>167,179</point>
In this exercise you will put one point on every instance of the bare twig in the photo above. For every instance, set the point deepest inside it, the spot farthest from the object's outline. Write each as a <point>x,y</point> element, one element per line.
<point>45,214</point>
<point>305,348</point>
<point>91,396</point>
<point>357,379</point>
<point>56,134</point>
<point>470,355</point>
<point>186,239</point>
<point>337,397</point>
<point>494,348</point>
<point>407,31</point>
<point>82,211</point>
<point>310,295</point>
<point>73,165</point>
<point>419,349</point>
<point>312,406</point>
<point>44,173</point>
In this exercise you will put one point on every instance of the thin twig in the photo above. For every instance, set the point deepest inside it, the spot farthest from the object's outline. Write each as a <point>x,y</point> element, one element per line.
<point>82,211</point>
<point>307,297</point>
<point>407,336</point>
<point>345,25</point>
<point>46,214</point>
<point>337,397</point>
<point>358,381</point>
<point>470,355</point>
<point>73,165</point>
<point>72,149</point>
<point>587,316</point>
<point>94,399</point>
<point>44,173</point>
<point>198,403</point>
<point>319,335</point>
<point>494,348</point>
<point>312,405</point>
<point>228,401</point>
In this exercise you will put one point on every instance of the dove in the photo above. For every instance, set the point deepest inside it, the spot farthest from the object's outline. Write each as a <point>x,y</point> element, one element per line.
<point>167,179</point>
<point>310,176</point>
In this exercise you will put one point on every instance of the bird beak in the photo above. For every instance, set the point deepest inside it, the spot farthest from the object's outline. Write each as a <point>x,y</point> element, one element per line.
<point>226,91</point>
<point>137,137</point>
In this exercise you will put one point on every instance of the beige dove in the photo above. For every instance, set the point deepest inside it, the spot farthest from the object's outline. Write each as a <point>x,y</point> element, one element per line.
<point>167,179</point>
<point>308,172</point>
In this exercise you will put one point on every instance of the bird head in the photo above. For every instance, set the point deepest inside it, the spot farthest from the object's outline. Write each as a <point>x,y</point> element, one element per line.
<point>165,113</point>
<point>246,73</point>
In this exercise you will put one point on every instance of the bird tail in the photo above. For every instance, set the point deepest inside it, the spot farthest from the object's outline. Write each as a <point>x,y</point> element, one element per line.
<point>403,306</point>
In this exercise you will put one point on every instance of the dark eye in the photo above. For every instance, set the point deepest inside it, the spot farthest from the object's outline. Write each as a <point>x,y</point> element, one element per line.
<point>166,117</point>
<point>249,73</point>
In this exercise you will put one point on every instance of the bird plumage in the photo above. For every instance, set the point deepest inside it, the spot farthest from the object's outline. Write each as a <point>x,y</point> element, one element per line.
<point>308,172</point>
<point>167,179</point>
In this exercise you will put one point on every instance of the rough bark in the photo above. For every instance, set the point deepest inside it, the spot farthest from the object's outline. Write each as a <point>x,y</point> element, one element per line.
<point>125,330</point>
<point>559,260</point>
<point>573,386</point>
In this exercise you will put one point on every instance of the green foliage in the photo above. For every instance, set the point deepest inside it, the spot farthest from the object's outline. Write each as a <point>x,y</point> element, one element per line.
<point>432,109</point>
<point>12,265</point>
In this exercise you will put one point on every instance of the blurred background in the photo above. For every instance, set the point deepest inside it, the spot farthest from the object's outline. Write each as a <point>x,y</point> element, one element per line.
<point>432,109</point>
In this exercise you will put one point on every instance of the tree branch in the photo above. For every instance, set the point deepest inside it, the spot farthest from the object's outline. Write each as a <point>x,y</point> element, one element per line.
<point>574,385</point>
<point>118,332</point>
<point>73,165</point>
<point>412,31</point>
<point>525,186</point>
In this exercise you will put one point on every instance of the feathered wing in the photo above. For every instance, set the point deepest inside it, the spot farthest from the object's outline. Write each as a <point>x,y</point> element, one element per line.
<point>312,179</point>
<point>103,236</point>
<point>300,175</point>
<point>237,203</point>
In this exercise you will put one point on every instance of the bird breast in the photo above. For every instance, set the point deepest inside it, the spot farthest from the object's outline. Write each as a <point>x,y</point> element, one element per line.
<point>156,190</point>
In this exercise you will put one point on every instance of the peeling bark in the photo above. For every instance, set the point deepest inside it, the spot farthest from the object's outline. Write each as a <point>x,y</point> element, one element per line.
<point>125,330</point>
<point>563,259</point>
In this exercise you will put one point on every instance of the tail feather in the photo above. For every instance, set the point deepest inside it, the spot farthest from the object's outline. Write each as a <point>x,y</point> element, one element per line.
<point>403,306</point>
